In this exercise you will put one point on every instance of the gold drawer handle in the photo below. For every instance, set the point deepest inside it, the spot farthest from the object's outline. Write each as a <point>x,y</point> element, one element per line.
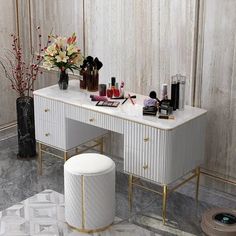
<point>146,139</point>
<point>46,110</point>
<point>145,167</point>
<point>47,134</point>
<point>91,119</point>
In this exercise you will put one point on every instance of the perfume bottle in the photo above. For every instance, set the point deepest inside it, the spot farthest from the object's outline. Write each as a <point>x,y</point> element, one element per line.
<point>122,91</point>
<point>116,91</point>
<point>109,91</point>
<point>182,92</point>
<point>113,82</point>
<point>174,92</point>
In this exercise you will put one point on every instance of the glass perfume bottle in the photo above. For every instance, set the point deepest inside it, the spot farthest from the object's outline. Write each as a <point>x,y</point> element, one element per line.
<point>116,91</point>
<point>122,90</point>
<point>174,92</point>
<point>182,92</point>
<point>109,91</point>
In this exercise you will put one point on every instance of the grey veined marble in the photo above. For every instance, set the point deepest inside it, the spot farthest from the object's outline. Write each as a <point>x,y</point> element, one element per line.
<point>19,181</point>
<point>43,214</point>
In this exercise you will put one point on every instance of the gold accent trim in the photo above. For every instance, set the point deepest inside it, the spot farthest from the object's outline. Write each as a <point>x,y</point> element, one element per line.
<point>40,158</point>
<point>83,208</point>
<point>182,183</point>
<point>101,145</point>
<point>130,192</point>
<point>164,202</point>
<point>65,156</point>
<point>146,188</point>
<point>99,142</point>
<point>197,181</point>
<point>135,181</point>
<point>228,181</point>
<point>145,167</point>
<point>90,231</point>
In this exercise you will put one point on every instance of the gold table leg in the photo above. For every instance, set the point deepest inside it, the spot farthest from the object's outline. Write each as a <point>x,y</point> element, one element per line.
<point>130,192</point>
<point>65,156</point>
<point>164,203</point>
<point>40,159</point>
<point>101,146</point>
<point>197,181</point>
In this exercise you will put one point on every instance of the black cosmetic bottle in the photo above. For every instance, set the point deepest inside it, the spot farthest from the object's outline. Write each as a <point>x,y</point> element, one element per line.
<point>174,92</point>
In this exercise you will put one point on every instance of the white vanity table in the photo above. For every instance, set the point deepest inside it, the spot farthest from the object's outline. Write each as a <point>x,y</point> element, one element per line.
<point>157,150</point>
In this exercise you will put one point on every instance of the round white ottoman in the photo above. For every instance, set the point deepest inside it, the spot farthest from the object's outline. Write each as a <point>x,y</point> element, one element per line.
<point>89,181</point>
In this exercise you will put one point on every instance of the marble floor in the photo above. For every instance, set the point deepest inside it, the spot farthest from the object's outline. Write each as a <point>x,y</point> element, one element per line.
<point>19,181</point>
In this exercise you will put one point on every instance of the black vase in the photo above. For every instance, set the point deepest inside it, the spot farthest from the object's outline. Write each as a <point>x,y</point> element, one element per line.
<point>25,127</point>
<point>63,81</point>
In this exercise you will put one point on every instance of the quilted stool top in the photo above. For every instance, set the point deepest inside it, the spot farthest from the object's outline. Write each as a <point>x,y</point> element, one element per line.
<point>89,164</point>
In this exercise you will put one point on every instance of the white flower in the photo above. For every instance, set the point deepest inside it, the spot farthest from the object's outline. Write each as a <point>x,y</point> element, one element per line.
<point>47,65</point>
<point>78,59</point>
<point>61,42</point>
<point>51,50</point>
<point>62,57</point>
<point>71,49</point>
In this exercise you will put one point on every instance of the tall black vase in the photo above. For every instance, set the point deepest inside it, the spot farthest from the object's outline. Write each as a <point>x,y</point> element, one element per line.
<point>25,127</point>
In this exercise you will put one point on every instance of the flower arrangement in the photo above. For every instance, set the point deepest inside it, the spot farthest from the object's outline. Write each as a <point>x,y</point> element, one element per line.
<point>63,53</point>
<point>21,74</point>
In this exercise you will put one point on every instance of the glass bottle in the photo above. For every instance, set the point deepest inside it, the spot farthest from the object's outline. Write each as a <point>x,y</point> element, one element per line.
<point>182,92</point>
<point>109,91</point>
<point>116,91</point>
<point>174,93</point>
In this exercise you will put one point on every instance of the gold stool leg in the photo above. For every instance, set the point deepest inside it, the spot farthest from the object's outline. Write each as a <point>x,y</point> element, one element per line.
<point>40,159</point>
<point>130,192</point>
<point>197,181</point>
<point>65,156</point>
<point>101,146</point>
<point>164,203</point>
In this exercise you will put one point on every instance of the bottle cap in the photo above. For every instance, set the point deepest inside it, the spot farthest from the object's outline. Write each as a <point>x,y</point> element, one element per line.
<point>113,81</point>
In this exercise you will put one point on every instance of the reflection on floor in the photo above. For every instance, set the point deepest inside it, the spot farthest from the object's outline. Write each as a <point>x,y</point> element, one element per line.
<point>19,180</point>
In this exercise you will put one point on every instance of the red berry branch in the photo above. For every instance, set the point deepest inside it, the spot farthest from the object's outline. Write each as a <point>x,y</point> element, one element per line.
<point>22,75</point>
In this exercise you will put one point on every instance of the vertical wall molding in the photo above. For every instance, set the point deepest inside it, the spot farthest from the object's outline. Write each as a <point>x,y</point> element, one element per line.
<point>198,53</point>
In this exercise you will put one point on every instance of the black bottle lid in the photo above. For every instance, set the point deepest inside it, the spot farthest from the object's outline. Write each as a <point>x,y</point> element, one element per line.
<point>113,81</point>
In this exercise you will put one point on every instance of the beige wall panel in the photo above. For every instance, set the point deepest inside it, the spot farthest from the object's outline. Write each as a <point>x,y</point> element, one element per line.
<point>142,42</point>
<point>63,19</point>
<point>7,95</point>
<point>218,89</point>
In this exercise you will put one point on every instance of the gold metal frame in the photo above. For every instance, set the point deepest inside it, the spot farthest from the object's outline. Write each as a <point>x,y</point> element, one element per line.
<point>166,190</point>
<point>98,142</point>
<point>217,177</point>
<point>89,231</point>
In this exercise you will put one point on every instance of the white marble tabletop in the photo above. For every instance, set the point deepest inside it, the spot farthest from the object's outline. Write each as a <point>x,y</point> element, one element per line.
<point>78,97</point>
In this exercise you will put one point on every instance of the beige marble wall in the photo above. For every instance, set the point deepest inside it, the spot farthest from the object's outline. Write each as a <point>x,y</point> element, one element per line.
<point>142,42</point>
<point>217,86</point>
<point>7,95</point>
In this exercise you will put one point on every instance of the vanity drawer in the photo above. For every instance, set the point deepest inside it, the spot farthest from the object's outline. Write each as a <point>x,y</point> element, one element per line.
<point>48,110</point>
<point>144,151</point>
<point>50,133</point>
<point>105,121</point>
<point>140,137</point>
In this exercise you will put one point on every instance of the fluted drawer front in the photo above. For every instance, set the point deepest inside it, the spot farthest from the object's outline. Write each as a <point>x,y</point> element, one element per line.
<point>50,133</point>
<point>49,110</point>
<point>94,118</point>
<point>105,121</point>
<point>49,122</point>
<point>144,151</point>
